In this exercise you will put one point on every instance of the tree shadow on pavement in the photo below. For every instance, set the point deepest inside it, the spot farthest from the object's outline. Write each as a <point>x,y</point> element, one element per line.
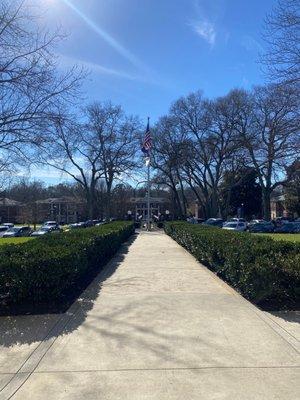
<point>28,329</point>
<point>289,316</point>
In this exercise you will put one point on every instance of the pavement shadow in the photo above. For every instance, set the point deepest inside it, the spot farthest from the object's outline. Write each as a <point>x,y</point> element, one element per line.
<point>288,316</point>
<point>28,329</point>
<point>121,326</point>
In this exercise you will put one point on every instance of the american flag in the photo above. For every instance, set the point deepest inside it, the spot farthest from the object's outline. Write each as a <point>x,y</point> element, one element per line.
<point>147,143</point>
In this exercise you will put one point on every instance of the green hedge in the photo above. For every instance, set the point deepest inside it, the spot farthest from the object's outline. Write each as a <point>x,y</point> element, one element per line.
<point>261,269</point>
<point>44,269</point>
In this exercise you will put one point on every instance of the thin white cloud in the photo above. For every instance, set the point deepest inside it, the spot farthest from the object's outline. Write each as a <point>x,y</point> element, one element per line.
<point>67,61</point>
<point>70,61</point>
<point>207,20</point>
<point>206,30</point>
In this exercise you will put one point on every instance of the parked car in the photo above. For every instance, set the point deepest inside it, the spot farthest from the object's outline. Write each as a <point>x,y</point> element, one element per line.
<point>3,229</point>
<point>101,223</point>
<point>8,224</point>
<point>22,231</point>
<point>89,223</point>
<point>287,227</point>
<point>192,220</point>
<point>78,225</point>
<point>235,226</point>
<point>296,228</point>
<point>236,220</point>
<point>261,227</point>
<point>214,222</point>
<point>282,220</point>
<point>43,230</point>
<point>256,221</point>
<point>50,223</point>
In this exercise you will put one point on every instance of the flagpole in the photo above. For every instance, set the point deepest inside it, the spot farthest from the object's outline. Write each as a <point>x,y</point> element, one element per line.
<point>148,185</point>
<point>146,147</point>
<point>148,195</point>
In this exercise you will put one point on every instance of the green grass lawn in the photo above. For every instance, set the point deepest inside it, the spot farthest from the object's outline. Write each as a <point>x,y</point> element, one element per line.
<point>291,237</point>
<point>17,240</point>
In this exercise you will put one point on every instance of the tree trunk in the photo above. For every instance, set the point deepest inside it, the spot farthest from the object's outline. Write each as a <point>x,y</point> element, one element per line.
<point>266,205</point>
<point>177,200</point>
<point>91,203</point>
<point>214,204</point>
<point>227,203</point>
<point>108,199</point>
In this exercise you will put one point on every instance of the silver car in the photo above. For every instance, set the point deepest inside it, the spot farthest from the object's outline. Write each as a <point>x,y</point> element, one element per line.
<point>44,230</point>
<point>3,229</point>
<point>22,231</point>
<point>235,226</point>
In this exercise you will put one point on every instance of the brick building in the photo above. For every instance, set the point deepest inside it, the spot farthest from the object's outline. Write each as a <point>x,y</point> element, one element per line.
<point>64,210</point>
<point>9,210</point>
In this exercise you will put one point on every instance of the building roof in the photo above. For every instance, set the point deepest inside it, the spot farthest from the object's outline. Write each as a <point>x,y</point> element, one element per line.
<point>5,202</point>
<point>60,200</point>
<point>152,200</point>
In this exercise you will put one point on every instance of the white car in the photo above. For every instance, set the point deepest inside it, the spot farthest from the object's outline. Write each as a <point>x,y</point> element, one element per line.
<point>50,223</point>
<point>9,224</point>
<point>236,220</point>
<point>238,226</point>
<point>44,230</point>
<point>3,229</point>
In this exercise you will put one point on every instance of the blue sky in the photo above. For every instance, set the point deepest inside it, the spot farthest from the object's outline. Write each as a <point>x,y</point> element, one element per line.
<point>144,54</point>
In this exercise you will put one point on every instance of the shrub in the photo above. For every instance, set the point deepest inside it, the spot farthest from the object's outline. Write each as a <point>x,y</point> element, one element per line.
<point>261,269</point>
<point>44,269</point>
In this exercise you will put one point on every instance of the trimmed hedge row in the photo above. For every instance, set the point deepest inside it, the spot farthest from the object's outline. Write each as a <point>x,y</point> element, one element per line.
<point>261,269</point>
<point>44,269</point>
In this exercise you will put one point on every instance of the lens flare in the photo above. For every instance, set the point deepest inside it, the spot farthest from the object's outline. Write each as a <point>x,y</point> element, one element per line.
<point>105,36</point>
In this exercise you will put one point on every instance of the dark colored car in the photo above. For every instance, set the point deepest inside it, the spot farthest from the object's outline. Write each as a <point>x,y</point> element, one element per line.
<point>22,231</point>
<point>262,227</point>
<point>287,227</point>
<point>296,227</point>
<point>282,220</point>
<point>89,223</point>
<point>218,222</point>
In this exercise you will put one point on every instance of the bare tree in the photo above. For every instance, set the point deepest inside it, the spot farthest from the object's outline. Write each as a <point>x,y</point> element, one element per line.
<point>292,188</point>
<point>269,129</point>
<point>100,147</point>
<point>31,87</point>
<point>114,137</point>
<point>66,148</point>
<point>210,126</point>
<point>282,35</point>
<point>169,154</point>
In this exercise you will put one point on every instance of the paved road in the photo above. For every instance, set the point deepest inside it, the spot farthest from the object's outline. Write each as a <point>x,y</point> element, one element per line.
<point>154,325</point>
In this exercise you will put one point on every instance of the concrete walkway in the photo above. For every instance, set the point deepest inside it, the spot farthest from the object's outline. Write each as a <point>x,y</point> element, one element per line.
<point>154,325</point>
